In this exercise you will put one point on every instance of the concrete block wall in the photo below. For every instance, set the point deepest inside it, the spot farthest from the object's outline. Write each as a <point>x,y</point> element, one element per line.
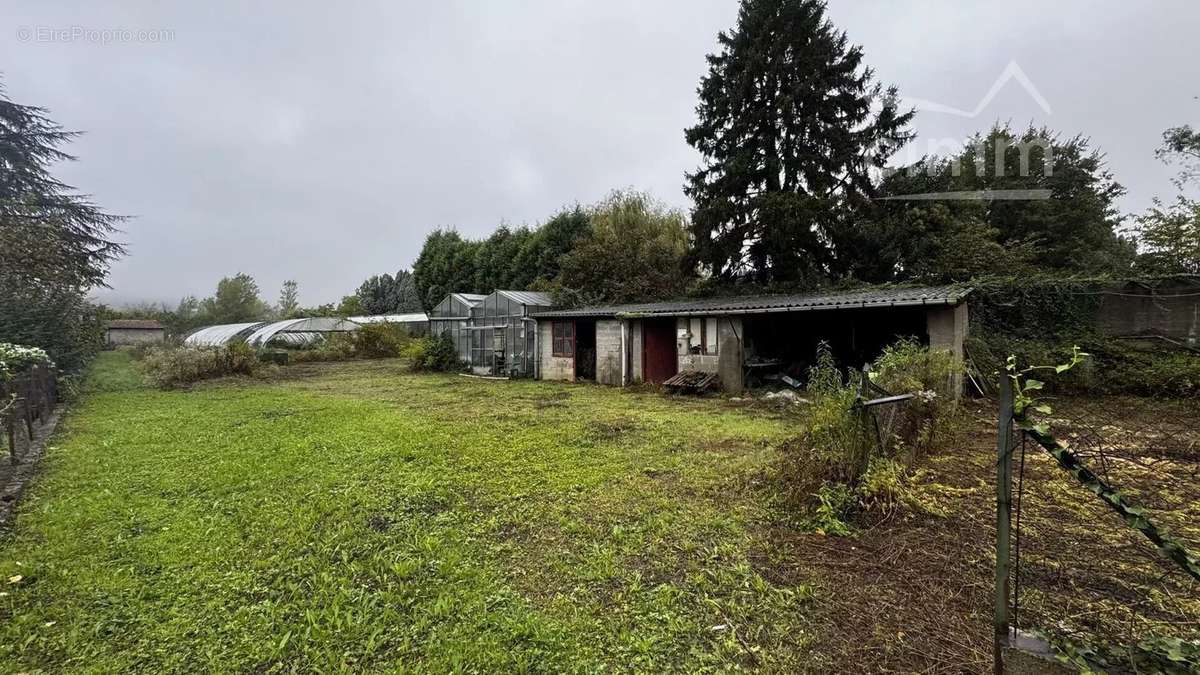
<point>731,354</point>
<point>552,367</point>
<point>608,352</point>
<point>947,328</point>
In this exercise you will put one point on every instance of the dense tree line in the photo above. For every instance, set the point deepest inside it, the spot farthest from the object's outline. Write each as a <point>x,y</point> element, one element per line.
<point>627,247</point>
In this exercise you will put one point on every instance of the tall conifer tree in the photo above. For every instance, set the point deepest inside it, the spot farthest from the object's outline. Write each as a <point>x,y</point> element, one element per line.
<point>791,127</point>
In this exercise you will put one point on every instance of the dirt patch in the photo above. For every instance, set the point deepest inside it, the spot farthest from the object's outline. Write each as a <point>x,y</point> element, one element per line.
<point>601,431</point>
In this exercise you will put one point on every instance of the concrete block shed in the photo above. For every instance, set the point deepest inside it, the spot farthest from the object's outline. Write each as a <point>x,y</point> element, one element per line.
<point>743,338</point>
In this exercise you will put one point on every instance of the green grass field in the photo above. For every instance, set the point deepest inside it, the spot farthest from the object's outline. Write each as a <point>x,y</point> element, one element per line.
<point>358,517</point>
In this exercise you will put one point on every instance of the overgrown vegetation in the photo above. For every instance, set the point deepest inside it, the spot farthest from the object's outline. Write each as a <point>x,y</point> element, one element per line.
<point>169,367</point>
<point>1040,318</point>
<point>854,463</point>
<point>372,341</point>
<point>434,354</point>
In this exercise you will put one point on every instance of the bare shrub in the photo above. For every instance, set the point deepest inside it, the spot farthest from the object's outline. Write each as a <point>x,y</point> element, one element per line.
<point>173,367</point>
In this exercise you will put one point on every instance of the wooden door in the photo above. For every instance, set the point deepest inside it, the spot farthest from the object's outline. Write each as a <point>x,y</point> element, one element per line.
<point>659,361</point>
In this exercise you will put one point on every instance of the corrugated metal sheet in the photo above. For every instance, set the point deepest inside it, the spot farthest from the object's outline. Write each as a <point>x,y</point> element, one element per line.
<point>752,304</point>
<point>529,298</point>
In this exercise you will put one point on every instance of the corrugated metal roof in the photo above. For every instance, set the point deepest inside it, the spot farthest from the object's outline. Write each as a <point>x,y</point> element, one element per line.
<point>759,304</point>
<point>140,324</point>
<point>529,298</point>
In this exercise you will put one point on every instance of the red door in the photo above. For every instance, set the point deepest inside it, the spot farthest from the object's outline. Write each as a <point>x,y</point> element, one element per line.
<point>658,350</point>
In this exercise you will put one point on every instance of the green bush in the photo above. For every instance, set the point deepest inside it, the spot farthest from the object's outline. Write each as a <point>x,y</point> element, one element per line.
<point>15,359</point>
<point>437,354</point>
<point>836,443</point>
<point>378,340</point>
<point>173,367</point>
<point>931,376</point>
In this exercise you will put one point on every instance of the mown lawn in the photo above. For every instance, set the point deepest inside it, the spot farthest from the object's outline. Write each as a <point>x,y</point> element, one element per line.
<point>359,517</point>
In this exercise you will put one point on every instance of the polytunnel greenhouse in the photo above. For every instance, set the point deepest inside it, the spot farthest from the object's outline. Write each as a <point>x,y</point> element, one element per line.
<point>290,332</point>
<point>299,332</point>
<point>220,335</point>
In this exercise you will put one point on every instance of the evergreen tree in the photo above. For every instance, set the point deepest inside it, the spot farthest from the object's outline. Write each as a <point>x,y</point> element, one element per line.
<point>790,141</point>
<point>50,235</point>
<point>446,264</point>
<point>55,244</point>
<point>387,294</point>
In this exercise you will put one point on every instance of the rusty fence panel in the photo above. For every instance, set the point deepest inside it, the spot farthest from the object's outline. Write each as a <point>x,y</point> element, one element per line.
<point>26,403</point>
<point>1098,524</point>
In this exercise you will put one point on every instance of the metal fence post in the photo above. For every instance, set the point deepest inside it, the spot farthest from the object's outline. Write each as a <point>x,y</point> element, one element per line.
<point>1004,450</point>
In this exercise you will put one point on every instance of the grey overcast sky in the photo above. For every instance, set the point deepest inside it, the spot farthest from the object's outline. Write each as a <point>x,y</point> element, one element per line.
<point>321,141</point>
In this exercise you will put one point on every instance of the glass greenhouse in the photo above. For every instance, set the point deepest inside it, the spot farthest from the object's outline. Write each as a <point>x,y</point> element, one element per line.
<point>452,315</point>
<point>503,333</point>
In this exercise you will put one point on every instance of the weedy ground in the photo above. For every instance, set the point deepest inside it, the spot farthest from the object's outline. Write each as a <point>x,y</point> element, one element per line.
<point>357,517</point>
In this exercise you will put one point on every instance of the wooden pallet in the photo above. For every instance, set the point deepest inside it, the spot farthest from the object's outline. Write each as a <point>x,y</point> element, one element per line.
<point>694,381</point>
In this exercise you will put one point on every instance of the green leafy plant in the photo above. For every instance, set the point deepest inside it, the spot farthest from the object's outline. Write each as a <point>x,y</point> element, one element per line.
<point>1156,654</point>
<point>835,503</point>
<point>840,444</point>
<point>437,354</point>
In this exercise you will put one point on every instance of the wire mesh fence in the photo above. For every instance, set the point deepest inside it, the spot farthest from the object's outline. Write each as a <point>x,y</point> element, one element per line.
<point>1084,573</point>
